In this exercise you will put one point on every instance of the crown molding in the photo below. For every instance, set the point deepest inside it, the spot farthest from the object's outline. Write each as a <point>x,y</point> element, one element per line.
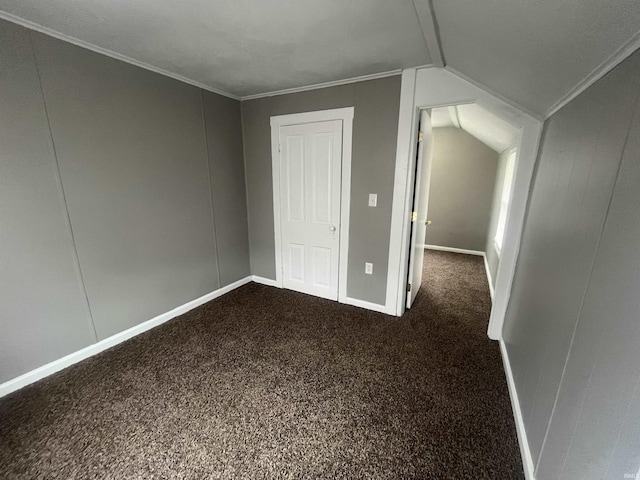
<point>317,86</point>
<point>597,73</point>
<point>109,53</point>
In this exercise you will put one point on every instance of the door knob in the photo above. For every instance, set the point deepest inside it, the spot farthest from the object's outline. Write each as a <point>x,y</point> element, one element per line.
<point>332,228</point>
<point>427,222</point>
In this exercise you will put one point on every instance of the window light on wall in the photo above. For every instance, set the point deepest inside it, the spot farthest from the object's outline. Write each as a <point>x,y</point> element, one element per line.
<point>504,199</point>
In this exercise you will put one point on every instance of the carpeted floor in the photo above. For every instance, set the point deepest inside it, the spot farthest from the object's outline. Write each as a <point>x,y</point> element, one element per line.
<point>267,383</point>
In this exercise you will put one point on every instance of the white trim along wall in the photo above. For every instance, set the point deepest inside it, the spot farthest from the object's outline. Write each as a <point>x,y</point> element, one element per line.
<point>346,115</point>
<point>316,86</point>
<point>455,250</point>
<point>52,367</point>
<point>436,87</point>
<point>492,291</point>
<point>110,53</point>
<point>523,441</point>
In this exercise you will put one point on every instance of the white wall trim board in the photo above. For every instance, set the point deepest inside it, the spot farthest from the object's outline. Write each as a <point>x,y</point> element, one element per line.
<point>493,93</point>
<point>346,115</point>
<point>316,86</point>
<point>527,155</point>
<point>345,205</point>
<point>454,250</point>
<point>93,349</point>
<point>525,451</point>
<point>364,304</point>
<point>428,88</point>
<point>489,277</point>
<point>429,27</point>
<point>399,242</point>
<point>264,281</point>
<point>597,73</point>
<point>109,53</point>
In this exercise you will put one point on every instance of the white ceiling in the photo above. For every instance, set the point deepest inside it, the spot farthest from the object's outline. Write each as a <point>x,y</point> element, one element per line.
<point>243,47</point>
<point>533,51</point>
<point>491,130</point>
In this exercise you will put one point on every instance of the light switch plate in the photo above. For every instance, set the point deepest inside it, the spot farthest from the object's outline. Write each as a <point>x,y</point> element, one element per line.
<point>368,268</point>
<point>373,199</point>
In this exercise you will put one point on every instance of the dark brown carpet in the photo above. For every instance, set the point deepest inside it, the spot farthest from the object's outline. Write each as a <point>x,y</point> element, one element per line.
<point>267,383</point>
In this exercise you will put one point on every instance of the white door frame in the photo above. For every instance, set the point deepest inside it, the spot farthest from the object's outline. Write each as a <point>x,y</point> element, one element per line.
<point>346,115</point>
<point>437,87</point>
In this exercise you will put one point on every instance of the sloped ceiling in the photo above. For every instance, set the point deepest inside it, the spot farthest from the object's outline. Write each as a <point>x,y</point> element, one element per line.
<point>533,51</point>
<point>478,122</point>
<point>243,47</point>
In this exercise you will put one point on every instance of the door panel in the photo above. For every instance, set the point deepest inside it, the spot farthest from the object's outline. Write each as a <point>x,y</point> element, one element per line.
<point>421,206</point>
<point>296,262</point>
<point>310,178</point>
<point>322,178</point>
<point>322,267</point>
<point>295,181</point>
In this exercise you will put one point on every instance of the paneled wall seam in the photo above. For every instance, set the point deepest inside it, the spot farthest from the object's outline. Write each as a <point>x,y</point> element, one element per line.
<point>575,328</point>
<point>246,185</point>
<point>62,191</point>
<point>213,212</point>
<point>584,295</point>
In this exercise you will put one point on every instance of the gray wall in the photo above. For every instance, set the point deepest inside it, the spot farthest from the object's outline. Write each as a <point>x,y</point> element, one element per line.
<point>375,127</point>
<point>493,260</point>
<point>43,311</point>
<point>226,168</point>
<point>106,198</point>
<point>572,329</point>
<point>463,176</point>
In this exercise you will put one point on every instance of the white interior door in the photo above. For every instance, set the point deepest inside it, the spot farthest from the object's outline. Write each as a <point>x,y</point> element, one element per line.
<point>310,182</point>
<point>420,205</point>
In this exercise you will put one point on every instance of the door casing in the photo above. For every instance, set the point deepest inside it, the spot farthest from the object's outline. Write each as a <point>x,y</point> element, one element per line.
<point>346,115</point>
<point>438,87</point>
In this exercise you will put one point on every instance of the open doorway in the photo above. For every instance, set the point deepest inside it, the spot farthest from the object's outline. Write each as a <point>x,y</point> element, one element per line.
<point>464,170</point>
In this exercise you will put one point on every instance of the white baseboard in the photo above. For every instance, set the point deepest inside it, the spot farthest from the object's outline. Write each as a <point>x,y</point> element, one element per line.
<point>75,357</point>
<point>264,281</point>
<point>364,304</point>
<point>454,250</point>
<point>346,300</point>
<point>489,277</point>
<point>525,451</point>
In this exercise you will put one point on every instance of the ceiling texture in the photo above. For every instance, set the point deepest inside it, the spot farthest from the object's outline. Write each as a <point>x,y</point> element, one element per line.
<point>478,122</point>
<point>243,47</point>
<point>532,53</point>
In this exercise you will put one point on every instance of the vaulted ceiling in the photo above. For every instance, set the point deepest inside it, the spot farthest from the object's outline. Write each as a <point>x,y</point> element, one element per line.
<point>530,52</point>
<point>533,51</point>
<point>486,127</point>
